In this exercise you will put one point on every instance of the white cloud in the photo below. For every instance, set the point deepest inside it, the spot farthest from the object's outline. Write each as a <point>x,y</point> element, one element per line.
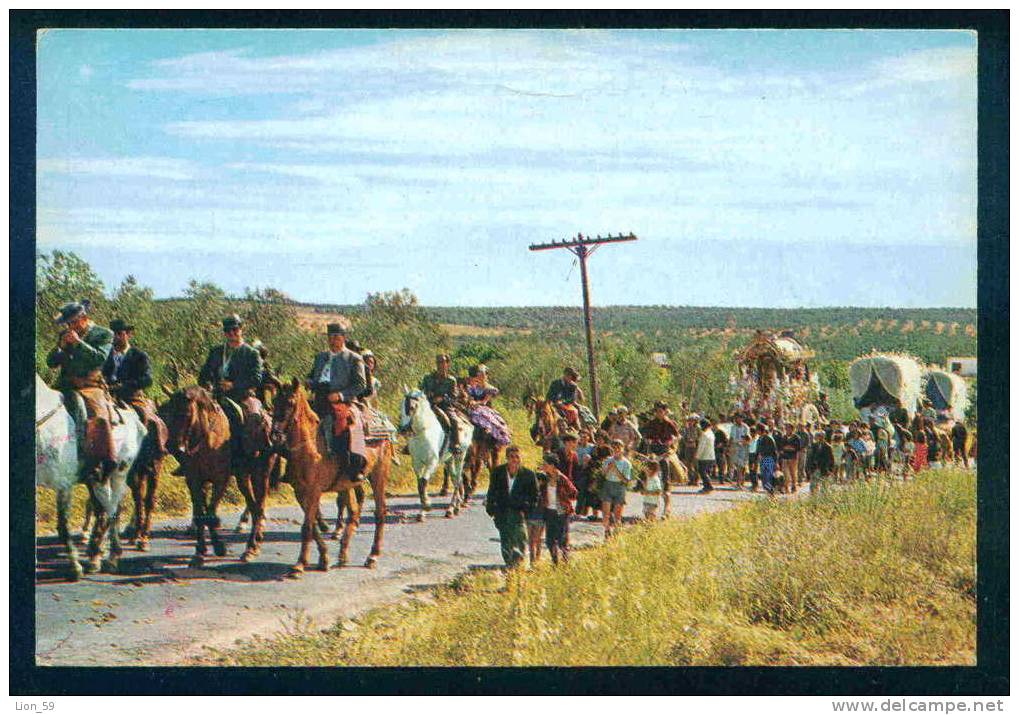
<point>139,166</point>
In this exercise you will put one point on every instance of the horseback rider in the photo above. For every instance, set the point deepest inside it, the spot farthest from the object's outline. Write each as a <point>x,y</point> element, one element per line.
<point>440,388</point>
<point>233,371</point>
<point>566,394</point>
<point>81,350</point>
<point>337,379</point>
<point>128,371</point>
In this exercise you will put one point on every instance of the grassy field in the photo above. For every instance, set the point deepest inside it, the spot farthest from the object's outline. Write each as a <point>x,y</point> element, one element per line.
<point>172,497</point>
<point>876,574</point>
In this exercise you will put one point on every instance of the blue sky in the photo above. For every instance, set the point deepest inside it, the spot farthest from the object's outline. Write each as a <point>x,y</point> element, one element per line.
<point>757,168</point>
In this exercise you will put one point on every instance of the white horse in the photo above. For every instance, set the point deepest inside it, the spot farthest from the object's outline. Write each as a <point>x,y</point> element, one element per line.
<point>427,451</point>
<point>57,466</point>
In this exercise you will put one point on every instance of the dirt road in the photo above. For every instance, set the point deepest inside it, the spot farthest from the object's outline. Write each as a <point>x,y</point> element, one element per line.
<point>158,611</point>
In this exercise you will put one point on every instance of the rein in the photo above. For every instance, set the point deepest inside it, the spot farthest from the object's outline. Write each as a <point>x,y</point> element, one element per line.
<point>46,417</point>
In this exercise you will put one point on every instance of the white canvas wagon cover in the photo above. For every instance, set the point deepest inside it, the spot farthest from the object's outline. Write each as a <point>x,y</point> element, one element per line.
<point>947,392</point>
<point>887,379</point>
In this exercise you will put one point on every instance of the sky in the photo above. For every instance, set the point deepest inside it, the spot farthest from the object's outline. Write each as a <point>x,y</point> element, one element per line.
<point>757,168</point>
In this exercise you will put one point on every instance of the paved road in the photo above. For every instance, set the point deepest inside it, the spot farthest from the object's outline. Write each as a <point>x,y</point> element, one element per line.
<point>158,611</point>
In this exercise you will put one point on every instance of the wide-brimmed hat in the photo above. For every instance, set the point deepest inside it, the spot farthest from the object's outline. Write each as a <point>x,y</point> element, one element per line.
<point>335,329</point>
<point>117,325</point>
<point>71,311</point>
<point>232,321</point>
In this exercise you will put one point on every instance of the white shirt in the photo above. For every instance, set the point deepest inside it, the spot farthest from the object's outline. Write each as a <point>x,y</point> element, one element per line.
<point>509,482</point>
<point>706,446</point>
<point>327,371</point>
<point>552,495</point>
<point>118,360</point>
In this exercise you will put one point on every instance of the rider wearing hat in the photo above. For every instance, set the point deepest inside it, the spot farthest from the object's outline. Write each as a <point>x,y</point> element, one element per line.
<point>565,394</point>
<point>337,378</point>
<point>81,350</point>
<point>233,371</point>
<point>128,372</point>
<point>440,388</point>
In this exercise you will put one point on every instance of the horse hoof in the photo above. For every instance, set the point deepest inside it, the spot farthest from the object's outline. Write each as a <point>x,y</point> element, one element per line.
<point>420,517</point>
<point>248,556</point>
<point>93,565</point>
<point>142,545</point>
<point>219,548</point>
<point>111,566</point>
<point>371,562</point>
<point>449,513</point>
<point>76,571</point>
<point>197,561</point>
<point>456,510</point>
<point>341,562</point>
<point>296,572</point>
<point>323,565</point>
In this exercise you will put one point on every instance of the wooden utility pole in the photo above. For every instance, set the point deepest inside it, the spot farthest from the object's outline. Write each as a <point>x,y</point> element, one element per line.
<point>583,247</point>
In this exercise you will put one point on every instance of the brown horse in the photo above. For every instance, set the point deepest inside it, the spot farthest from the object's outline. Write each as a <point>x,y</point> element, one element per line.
<point>483,452</point>
<point>199,434</point>
<point>545,429</point>
<point>312,473</point>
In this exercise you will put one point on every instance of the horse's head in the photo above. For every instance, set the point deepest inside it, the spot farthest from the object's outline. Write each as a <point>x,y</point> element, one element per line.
<point>183,413</point>
<point>413,400</point>
<point>289,409</point>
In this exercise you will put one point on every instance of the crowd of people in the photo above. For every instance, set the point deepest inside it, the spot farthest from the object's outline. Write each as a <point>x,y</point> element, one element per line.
<point>586,473</point>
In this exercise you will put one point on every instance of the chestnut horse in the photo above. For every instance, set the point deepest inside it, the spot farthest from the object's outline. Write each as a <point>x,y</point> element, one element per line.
<point>199,434</point>
<point>546,421</point>
<point>483,452</point>
<point>312,473</point>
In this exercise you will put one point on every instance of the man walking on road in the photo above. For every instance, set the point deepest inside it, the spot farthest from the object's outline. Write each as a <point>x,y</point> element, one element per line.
<point>706,456</point>
<point>512,494</point>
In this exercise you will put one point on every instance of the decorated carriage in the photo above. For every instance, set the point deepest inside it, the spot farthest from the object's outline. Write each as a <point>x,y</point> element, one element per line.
<point>774,377</point>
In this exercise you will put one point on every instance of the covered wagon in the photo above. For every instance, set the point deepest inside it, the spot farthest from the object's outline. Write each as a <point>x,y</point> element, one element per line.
<point>947,393</point>
<point>885,383</point>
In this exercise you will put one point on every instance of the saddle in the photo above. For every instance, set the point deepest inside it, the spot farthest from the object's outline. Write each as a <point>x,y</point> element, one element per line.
<point>343,419</point>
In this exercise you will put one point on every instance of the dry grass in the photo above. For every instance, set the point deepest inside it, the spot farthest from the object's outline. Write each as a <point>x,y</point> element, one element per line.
<point>876,574</point>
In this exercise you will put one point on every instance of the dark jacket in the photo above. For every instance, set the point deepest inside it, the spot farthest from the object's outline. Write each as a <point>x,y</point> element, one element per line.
<point>83,358</point>
<point>566,492</point>
<point>346,373</point>
<point>565,392</point>
<point>135,373</point>
<point>244,371</point>
<point>766,446</point>
<point>524,497</point>
<point>820,458</point>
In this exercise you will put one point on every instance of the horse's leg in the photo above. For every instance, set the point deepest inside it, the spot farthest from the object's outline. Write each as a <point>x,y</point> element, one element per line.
<point>379,493</point>
<point>218,490</point>
<point>426,474</point>
<point>198,518</point>
<point>95,543</point>
<point>152,484</point>
<point>245,486</point>
<point>138,497</point>
<point>113,562</point>
<point>353,499</point>
<point>445,485</point>
<point>340,506</point>
<point>309,503</point>
<point>63,509</point>
<point>245,515</point>
<point>89,513</point>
